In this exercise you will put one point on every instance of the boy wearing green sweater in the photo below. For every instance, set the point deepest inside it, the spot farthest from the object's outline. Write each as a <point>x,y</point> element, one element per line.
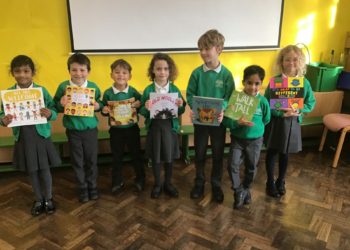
<point>124,134</point>
<point>212,79</point>
<point>247,138</point>
<point>81,130</point>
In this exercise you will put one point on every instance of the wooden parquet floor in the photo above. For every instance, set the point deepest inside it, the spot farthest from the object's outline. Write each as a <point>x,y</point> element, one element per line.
<point>314,214</point>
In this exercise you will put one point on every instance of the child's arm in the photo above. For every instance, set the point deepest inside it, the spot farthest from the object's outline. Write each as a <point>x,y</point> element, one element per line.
<point>309,98</point>
<point>229,123</point>
<point>105,110</point>
<point>191,89</point>
<point>50,110</point>
<point>98,103</point>
<point>266,111</point>
<point>57,98</point>
<point>137,103</point>
<point>144,110</point>
<point>181,101</point>
<point>6,120</point>
<point>229,88</point>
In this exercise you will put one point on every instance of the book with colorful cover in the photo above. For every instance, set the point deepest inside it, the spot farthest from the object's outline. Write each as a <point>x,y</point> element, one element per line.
<point>24,105</point>
<point>241,105</point>
<point>287,92</point>
<point>163,106</point>
<point>80,101</point>
<point>122,112</point>
<point>206,110</point>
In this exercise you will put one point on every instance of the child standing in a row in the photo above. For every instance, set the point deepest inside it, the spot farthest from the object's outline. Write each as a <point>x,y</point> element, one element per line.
<point>283,134</point>
<point>34,151</point>
<point>247,138</point>
<point>124,134</point>
<point>81,130</point>
<point>212,79</point>
<point>162,141</point>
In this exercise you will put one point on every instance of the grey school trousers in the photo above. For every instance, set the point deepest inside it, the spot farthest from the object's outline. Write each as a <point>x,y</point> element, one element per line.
<point>83,147</point>
<point>247,150</point>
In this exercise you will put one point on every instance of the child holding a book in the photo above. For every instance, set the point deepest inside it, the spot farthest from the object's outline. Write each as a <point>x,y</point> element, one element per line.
<point>247,137</point>
<point>34,151</point>
<point>283,135</point>
<point>162,140</point>
<point>81,130</point>
<point>124,128</point>
<point>212,79</point>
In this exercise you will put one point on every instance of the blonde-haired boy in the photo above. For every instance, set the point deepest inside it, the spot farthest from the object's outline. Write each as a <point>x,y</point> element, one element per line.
<point>212,79</point>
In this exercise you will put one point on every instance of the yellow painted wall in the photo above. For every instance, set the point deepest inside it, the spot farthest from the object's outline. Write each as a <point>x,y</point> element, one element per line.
<point>39,29</point>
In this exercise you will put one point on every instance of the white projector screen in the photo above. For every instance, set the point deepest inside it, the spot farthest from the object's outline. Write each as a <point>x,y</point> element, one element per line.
<point>172,25</point>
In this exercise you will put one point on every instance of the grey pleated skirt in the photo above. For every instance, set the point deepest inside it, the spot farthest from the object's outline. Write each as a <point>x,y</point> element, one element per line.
<point>283,134</point>
<point>162,143</point>
<point>33,152</point>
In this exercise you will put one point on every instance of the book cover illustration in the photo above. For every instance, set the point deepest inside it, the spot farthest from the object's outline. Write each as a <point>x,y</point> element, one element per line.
<point>287,92</point>
<point>206,110</point>
<point>241,105</point>
<point>163,106</point>
<point>122,112</point>
<point>24,105</point>
<point>80,101</point>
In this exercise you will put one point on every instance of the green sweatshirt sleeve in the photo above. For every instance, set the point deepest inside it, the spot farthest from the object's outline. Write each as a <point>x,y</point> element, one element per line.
<point>181,109</point>
<point>145,96</point>
<point>98,98</point>
<point>57,98</point>
<point>265,106</point>
<point>191,89</point>
<point>229,123</point>
<point>50,104</point>
<point>309,98</point>
<point>230,87</point>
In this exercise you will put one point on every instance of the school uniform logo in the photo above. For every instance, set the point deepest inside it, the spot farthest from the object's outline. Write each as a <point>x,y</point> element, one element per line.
<point>219,83</point>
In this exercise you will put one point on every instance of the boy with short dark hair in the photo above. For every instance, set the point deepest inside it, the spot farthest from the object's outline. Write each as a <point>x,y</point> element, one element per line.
<point>247,138</point>
<point>124,134</point>
<point>81,130</point>
<point>212,79</point>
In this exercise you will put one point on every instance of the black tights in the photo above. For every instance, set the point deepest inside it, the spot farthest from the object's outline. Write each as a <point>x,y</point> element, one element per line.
<point>271,156</point>
<point>168,172</point>
<point>41,180</point>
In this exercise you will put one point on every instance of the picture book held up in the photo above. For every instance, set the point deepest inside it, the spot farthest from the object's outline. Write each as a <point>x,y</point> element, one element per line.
<point>287,92</point>
<point>241,105</point>
<point>122,112</point>
<point>80,101</point>
<point>206,110</point>
<point>163,106</point>
<point>24,105</point>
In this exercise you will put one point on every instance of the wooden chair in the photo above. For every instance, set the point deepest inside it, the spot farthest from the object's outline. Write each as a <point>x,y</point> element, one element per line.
<point>335,123</point>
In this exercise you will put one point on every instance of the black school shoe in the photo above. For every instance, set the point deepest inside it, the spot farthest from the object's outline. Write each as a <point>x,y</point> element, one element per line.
<point>116,189</point>
<point>271,190</point>
<point>50,207</point>
<point>83,195</point>
<point>93,194</point>
<point>218,195</point>
<point>239,198</point>
<point>38,208</point>
<point>156,191</point>
<point>197,191</point>
<point>280,186</point>
<point>170,190</point>
<point>248,197</point>
<point>139,185</point>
